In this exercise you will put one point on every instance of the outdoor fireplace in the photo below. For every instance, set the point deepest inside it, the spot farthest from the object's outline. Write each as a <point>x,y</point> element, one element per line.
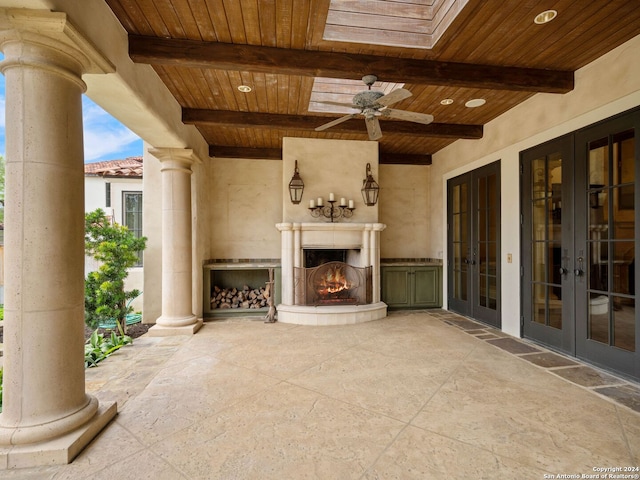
<point>333,283</point>
<point>330,273</point>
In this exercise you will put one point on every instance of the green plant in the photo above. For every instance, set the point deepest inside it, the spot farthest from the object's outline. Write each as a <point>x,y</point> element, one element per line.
<point>97,347</point>
<point>1,313</point>
<point>116,248</point>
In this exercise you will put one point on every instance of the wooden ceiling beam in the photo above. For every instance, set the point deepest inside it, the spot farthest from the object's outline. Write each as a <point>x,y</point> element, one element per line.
<point>384,158</point>
<point>225,118</point>
<point>224,56</point>
<point>224,151</point>
<point>390,158</point>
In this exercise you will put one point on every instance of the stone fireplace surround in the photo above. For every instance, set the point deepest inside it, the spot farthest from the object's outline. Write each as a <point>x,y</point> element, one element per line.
<point>296,237</point>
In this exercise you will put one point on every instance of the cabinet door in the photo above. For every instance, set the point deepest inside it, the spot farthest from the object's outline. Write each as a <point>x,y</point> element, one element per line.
<point>395,286</point>
<point>426,287</point>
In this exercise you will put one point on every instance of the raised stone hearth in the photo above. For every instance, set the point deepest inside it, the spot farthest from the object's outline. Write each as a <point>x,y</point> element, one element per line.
<point>361,240</point>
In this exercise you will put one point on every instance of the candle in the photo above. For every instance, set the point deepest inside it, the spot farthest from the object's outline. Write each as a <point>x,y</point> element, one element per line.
<point>320,201</point>
<point>343,202</point>
<point>351,204</point>
<point>312,204</point>
<point>332,198</point>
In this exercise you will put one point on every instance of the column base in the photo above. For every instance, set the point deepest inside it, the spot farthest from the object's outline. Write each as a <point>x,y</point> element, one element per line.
<point>61,450</point>
<point>166,331</point>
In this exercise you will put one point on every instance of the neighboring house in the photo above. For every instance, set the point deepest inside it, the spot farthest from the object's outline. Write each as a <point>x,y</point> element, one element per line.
<point>115,186</point>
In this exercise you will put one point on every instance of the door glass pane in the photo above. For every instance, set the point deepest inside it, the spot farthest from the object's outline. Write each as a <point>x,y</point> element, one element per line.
<point>482,291</point>
<point>492,282</point>
<point>623,217</point>
<point>483,260</point>
<point>599,163</point>
<point>599,318</point>
<point>539,304</point>
<point>482,225</point>
<point>623,267</point>
<point>624,314</point>
<point>455,204</point>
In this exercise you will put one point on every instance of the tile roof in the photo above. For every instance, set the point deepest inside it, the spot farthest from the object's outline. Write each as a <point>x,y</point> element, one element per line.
<point>129,167</point>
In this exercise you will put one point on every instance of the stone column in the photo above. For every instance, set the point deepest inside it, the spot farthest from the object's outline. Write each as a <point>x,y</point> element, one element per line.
<point>375,258</point>
<point>177,294</point>
<point>47,417</point>
<point>287,262</point>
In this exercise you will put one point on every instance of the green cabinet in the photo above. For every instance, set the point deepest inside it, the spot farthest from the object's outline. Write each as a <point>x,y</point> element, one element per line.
<point>412,286</point>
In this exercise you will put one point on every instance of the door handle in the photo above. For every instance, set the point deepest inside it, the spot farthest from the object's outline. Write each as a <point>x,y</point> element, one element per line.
<point>563,271</point>
<point>579,271</point>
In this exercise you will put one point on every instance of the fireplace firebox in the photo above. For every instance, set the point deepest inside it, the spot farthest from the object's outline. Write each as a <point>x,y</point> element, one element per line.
<point>333,283</point>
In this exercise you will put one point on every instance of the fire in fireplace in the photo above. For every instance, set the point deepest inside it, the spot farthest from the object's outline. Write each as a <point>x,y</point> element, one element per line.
<point>333,283</point>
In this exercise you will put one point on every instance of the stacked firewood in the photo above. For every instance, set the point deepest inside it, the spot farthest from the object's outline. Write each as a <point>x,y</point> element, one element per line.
<point>246,297</point>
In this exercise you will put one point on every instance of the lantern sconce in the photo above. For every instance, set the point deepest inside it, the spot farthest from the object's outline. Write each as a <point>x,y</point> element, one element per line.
<point>370,188</point>
<point>296,186</point>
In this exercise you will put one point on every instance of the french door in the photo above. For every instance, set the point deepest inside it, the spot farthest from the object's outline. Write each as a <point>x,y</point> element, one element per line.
<point>548,252</point>
<point>579,244</point>
<point>473,213</point>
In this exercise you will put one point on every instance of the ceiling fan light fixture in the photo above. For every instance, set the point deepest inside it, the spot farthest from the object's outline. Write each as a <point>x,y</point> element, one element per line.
<point>476,102</point>
<point>244,88</point>
<point>446,101</point>
<point>545,17</point>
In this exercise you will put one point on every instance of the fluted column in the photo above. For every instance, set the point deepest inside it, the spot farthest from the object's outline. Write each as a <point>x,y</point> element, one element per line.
<point>47,417</point>
<point>177,311</point>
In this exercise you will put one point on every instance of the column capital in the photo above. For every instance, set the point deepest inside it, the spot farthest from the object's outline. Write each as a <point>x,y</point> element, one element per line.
<point>175,158</point>
<point>47,40</point>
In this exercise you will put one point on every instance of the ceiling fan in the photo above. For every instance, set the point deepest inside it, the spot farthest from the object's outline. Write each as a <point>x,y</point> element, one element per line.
<point>373,104</point>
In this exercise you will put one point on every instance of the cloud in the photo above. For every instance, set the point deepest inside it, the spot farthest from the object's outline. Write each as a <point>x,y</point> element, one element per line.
<point>104,137</point>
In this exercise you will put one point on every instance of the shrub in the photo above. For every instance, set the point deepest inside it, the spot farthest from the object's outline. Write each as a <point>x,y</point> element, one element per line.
<point>98,348</point>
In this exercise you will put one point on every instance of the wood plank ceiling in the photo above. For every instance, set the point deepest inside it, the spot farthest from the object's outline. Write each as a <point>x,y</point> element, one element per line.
<point>204,49</point>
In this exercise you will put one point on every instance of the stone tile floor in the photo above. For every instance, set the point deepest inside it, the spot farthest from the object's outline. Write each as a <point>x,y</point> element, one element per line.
<point>417,395</point>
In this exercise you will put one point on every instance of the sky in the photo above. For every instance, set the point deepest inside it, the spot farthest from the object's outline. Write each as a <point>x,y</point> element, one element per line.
<point>104,137</point>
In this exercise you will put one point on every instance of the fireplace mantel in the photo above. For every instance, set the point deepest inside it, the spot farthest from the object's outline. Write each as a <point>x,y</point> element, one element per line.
<point>298,236</point>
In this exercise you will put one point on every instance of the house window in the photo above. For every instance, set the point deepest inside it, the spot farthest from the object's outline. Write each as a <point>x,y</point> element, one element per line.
<point>132,215</point>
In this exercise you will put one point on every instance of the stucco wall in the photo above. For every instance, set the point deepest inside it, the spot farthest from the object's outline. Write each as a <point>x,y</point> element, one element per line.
<point>246,197</point>
<point>245,203</point>
<point>608,86</point>
<point>328,166</point>
<point>404,208</point>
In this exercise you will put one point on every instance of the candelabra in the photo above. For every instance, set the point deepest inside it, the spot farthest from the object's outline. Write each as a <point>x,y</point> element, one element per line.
<point>331,211</point>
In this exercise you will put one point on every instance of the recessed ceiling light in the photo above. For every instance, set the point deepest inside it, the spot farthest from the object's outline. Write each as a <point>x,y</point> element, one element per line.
<point>545,17</point>
<point>244,88</point>
<point>476,102</point>
<point>446,101</point>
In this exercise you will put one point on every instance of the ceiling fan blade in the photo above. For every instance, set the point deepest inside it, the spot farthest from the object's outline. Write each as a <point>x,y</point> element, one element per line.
<point>339,104</point>
<point>373,127</point>
<point>336,122</point>
<point>394,97</point>
<point>416,117</point>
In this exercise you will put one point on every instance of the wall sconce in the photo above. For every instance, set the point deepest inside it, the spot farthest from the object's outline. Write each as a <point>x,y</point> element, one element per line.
<point>296,186</point>
<point>370,188</point>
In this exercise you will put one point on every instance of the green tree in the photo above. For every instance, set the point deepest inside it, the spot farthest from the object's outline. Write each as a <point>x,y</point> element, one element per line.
<point>116,248</point>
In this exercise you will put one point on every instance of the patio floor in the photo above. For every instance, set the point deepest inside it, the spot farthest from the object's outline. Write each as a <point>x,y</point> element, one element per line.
<point>417,395</point>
